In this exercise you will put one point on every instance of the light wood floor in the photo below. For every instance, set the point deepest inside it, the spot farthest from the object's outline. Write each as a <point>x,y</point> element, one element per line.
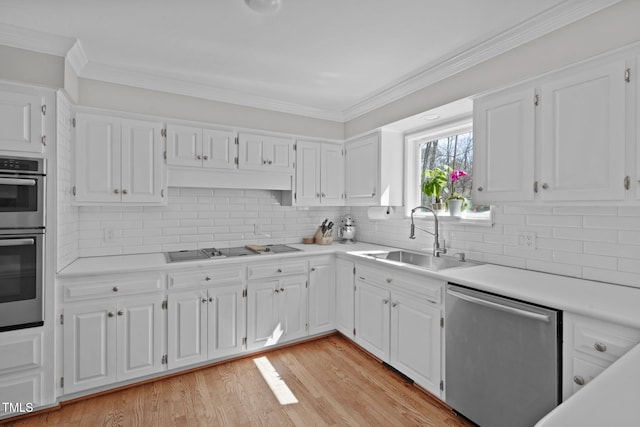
<point>335,383</point>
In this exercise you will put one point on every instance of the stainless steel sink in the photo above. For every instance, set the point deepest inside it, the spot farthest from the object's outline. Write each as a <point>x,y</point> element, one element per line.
<point>428,262</point>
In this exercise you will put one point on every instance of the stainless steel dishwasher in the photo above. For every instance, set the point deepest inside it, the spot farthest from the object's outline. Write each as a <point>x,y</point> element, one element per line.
<point>503,358</point>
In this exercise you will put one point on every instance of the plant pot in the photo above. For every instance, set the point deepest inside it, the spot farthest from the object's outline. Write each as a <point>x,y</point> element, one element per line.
<point>439,208</point>
<point>455,207</point>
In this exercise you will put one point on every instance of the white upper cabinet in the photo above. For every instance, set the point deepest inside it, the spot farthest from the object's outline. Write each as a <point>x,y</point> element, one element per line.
<point>319,174</point>
<point>265,153</point>
<point>373,169</point>
<point>198,147</point>
<point>560,138</point>
<point>118,160</point>
<point>23,119</point>
<point>503,146</point>
<point>582,140</point>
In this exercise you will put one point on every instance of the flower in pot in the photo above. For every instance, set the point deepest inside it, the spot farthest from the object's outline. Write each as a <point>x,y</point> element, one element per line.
<point>435,182</point>
<point>456,202</point>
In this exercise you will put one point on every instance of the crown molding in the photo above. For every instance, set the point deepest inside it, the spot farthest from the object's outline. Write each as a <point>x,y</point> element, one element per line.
<point>36,41</point>
<point>184,86</point>
<point>471,55</point>
<point>467,56</point>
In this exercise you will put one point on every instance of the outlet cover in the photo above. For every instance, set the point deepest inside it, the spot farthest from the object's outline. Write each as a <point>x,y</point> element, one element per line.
<point>527,240</point>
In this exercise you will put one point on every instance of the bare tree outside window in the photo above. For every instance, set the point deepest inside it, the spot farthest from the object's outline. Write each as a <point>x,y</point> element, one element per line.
<point>456,152</point>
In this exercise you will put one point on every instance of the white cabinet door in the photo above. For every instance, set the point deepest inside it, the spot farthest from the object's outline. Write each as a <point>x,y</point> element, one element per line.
<point>218,149</point>
<point>332,175</point>
<point>142,179</point>
<point>345,302</point>
<point>583,135</point>
<point>263,326</point>
<point>21,122</point>
<point>89,346</point>
<point>98,158</point>
<point>308,173</point>
<point>362,168</point>
<point>293,307</point>
<point>416,340</point>
<point>372,319</point>
<point>322,295</point>
<point>184,145</point>
<point>225,321</point>
<point>503,147</point>
<point>139,331</point>
<point>265,153</point>
<point>187,333</point>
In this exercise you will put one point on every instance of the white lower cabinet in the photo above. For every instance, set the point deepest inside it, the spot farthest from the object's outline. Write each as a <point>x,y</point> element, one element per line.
<point>590,346</point>
<point>345,302</point>
<point>276,311</point>
<point>205,324</point>
<point>398,319</point>
<point>112,341</point>
<point>322,295</point>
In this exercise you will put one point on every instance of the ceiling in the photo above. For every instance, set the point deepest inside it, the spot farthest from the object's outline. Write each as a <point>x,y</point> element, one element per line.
<point>330,59</point>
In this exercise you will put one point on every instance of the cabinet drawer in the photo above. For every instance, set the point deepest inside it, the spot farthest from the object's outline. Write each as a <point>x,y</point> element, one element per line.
<point>276,269</point>
<point>21,393</point>
<point>206,277</point>
<point>390,278</point>
<point>603,340</point>
<point>584,372</point>
<point>115,287</point>
<point>20,352</point>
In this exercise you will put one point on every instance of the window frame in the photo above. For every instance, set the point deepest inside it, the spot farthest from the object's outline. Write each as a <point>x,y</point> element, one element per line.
<point>412,186</point>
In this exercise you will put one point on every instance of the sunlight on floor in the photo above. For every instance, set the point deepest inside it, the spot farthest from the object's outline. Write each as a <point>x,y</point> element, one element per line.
<point>277,385</point>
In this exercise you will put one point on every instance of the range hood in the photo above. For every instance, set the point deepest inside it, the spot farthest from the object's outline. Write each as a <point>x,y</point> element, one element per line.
<point>208,178</point>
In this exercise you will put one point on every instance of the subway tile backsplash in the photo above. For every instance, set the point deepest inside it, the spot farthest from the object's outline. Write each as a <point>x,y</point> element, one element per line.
<point>597,243</point>
<point>197,218</point>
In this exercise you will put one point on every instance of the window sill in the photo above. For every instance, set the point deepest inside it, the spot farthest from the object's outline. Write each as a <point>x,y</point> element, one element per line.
<point>479,220</point>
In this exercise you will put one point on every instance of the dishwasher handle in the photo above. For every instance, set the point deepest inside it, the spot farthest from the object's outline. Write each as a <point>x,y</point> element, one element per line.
<point>497,306</point>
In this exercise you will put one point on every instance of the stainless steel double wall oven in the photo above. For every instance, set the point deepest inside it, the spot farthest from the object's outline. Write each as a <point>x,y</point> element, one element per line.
<point>22,233</point>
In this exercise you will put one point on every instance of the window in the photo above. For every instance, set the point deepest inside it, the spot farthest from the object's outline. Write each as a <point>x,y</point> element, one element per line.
<point>448,148</point>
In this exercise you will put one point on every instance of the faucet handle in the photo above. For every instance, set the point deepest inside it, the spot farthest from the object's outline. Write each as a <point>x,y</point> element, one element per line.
<point>462,256</point>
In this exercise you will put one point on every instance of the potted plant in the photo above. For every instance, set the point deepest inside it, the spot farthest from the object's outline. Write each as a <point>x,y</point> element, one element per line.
<point>456,202</point>
<point>434,183</point>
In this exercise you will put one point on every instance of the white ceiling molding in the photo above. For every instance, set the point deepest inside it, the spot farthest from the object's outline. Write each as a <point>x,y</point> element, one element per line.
<point>36,41</point>
<point>77,58</point>
<point>171,84</point>
<point>470,56</point>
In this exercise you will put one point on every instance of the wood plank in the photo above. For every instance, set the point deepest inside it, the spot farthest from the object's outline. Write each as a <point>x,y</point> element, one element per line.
<point>334,381</point>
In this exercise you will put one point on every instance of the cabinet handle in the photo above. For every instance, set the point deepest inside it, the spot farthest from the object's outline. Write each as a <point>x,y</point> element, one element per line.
<point>545,186</point>
<point>125,192</point>
<point>264,162</point>
<point>281,289</point>
<point>270,162</point>
<point>208,279</point>
<point>313,269</point>
<point>277,291</point>
<point>204,300</point>
<point>116,289</point>
<point>578,380</point>
<point>323,195</point>
<point>120,313</point>
<point>116,191</point>
<point>374,192</point>
<point>389,280</point>
<point>279,270</point>
<point>600,347</point>
<point>317,195</point>
<point>385,301</point>
<point>210,299</point>
<point>394,304</point>
<point>480,189</point>
<point>199,157</point>
<point>205,157</point>
<point>110,314</point>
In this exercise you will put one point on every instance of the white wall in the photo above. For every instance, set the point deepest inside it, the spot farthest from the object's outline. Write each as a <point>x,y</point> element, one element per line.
<point>198,218</point>
<point>137,100</point>
<point>31,67</point>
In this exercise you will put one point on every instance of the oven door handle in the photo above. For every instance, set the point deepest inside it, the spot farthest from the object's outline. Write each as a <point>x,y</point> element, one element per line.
<point>18,181</point>
<point>17,242</point>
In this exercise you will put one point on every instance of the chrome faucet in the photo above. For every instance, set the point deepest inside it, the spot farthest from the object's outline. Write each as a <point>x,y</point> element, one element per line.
<point>436,244</point>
